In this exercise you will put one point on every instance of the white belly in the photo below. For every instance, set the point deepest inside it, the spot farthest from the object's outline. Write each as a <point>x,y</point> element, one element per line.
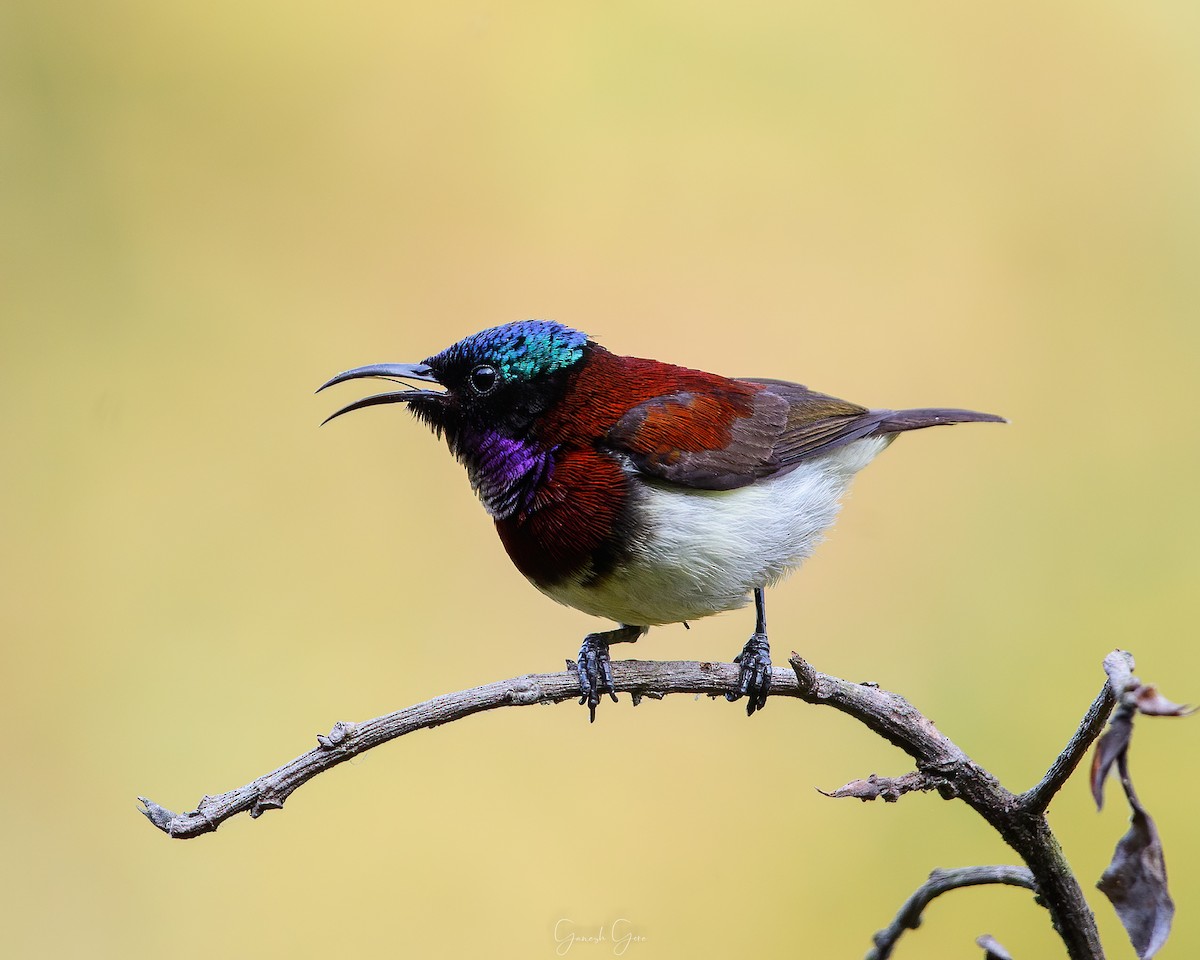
<point>704,551</point>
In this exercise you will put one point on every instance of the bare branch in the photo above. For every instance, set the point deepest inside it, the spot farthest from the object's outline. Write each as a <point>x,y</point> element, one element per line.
<point>346,740</point>
<point>1119,666</point>
<point>939,882</point>
<point>993,949</point>
<point>940,763</point>
<point>890,789</point>
<point>886,713</point>
<point>1027,832</point>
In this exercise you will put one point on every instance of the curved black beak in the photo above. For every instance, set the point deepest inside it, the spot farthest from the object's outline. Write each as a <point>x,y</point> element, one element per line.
<point>385,371</point>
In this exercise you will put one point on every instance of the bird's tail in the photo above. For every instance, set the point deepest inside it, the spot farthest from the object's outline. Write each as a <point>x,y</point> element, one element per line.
<point>897,421</point>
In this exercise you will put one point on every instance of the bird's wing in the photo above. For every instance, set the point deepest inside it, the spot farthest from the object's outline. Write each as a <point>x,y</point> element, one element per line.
<point>726,434</point>
<point>817,423</point>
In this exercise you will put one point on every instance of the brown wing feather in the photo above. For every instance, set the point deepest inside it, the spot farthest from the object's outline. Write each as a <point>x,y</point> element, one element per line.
<point>712,433</point>
<point>703,438</point>
<point>720,438</point>
<point>816,422</point>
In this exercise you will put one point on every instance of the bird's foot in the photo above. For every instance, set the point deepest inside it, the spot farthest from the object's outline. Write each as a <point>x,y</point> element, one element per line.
<point>594,666</point>
<point>595,672</point>
<point>754,677</point>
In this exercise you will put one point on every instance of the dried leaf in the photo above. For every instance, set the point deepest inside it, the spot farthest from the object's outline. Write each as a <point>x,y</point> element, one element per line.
<point>994,951</point>
<point>1109,749</point>
<point>1136,883</point>
<point>1153,704</point>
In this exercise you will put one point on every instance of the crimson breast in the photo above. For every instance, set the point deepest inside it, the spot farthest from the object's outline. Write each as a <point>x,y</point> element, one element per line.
<point>578,521</point>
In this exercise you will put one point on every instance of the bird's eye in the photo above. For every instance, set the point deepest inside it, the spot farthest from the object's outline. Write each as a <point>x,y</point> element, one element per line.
<point>483,378</point>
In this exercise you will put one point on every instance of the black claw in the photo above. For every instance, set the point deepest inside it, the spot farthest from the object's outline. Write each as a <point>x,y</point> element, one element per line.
<point>606,677</point>
<point>754,677</point>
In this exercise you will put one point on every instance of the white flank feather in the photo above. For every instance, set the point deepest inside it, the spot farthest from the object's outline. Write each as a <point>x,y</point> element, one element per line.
<point>704,551</point>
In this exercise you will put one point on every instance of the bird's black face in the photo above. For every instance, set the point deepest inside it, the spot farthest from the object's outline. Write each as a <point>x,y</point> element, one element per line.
<point>495,383</point>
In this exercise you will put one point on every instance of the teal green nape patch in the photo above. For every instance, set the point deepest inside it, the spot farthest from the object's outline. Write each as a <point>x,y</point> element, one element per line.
<point>526,349</point>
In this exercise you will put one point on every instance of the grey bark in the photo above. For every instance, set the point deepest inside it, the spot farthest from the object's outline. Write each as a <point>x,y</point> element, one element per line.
<point>941,765</point>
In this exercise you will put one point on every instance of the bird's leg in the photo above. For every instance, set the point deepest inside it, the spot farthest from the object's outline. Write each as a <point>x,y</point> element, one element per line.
<point>595,666</point>
<point>754,678</point>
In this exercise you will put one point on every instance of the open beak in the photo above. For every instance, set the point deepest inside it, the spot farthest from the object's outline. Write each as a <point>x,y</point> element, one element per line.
<point>385,371</point>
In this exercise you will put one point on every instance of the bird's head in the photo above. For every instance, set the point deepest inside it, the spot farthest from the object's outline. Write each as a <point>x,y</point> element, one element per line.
<point>493,383</point>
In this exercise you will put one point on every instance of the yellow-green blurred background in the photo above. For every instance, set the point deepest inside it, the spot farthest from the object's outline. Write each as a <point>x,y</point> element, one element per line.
<point>209,209</point>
